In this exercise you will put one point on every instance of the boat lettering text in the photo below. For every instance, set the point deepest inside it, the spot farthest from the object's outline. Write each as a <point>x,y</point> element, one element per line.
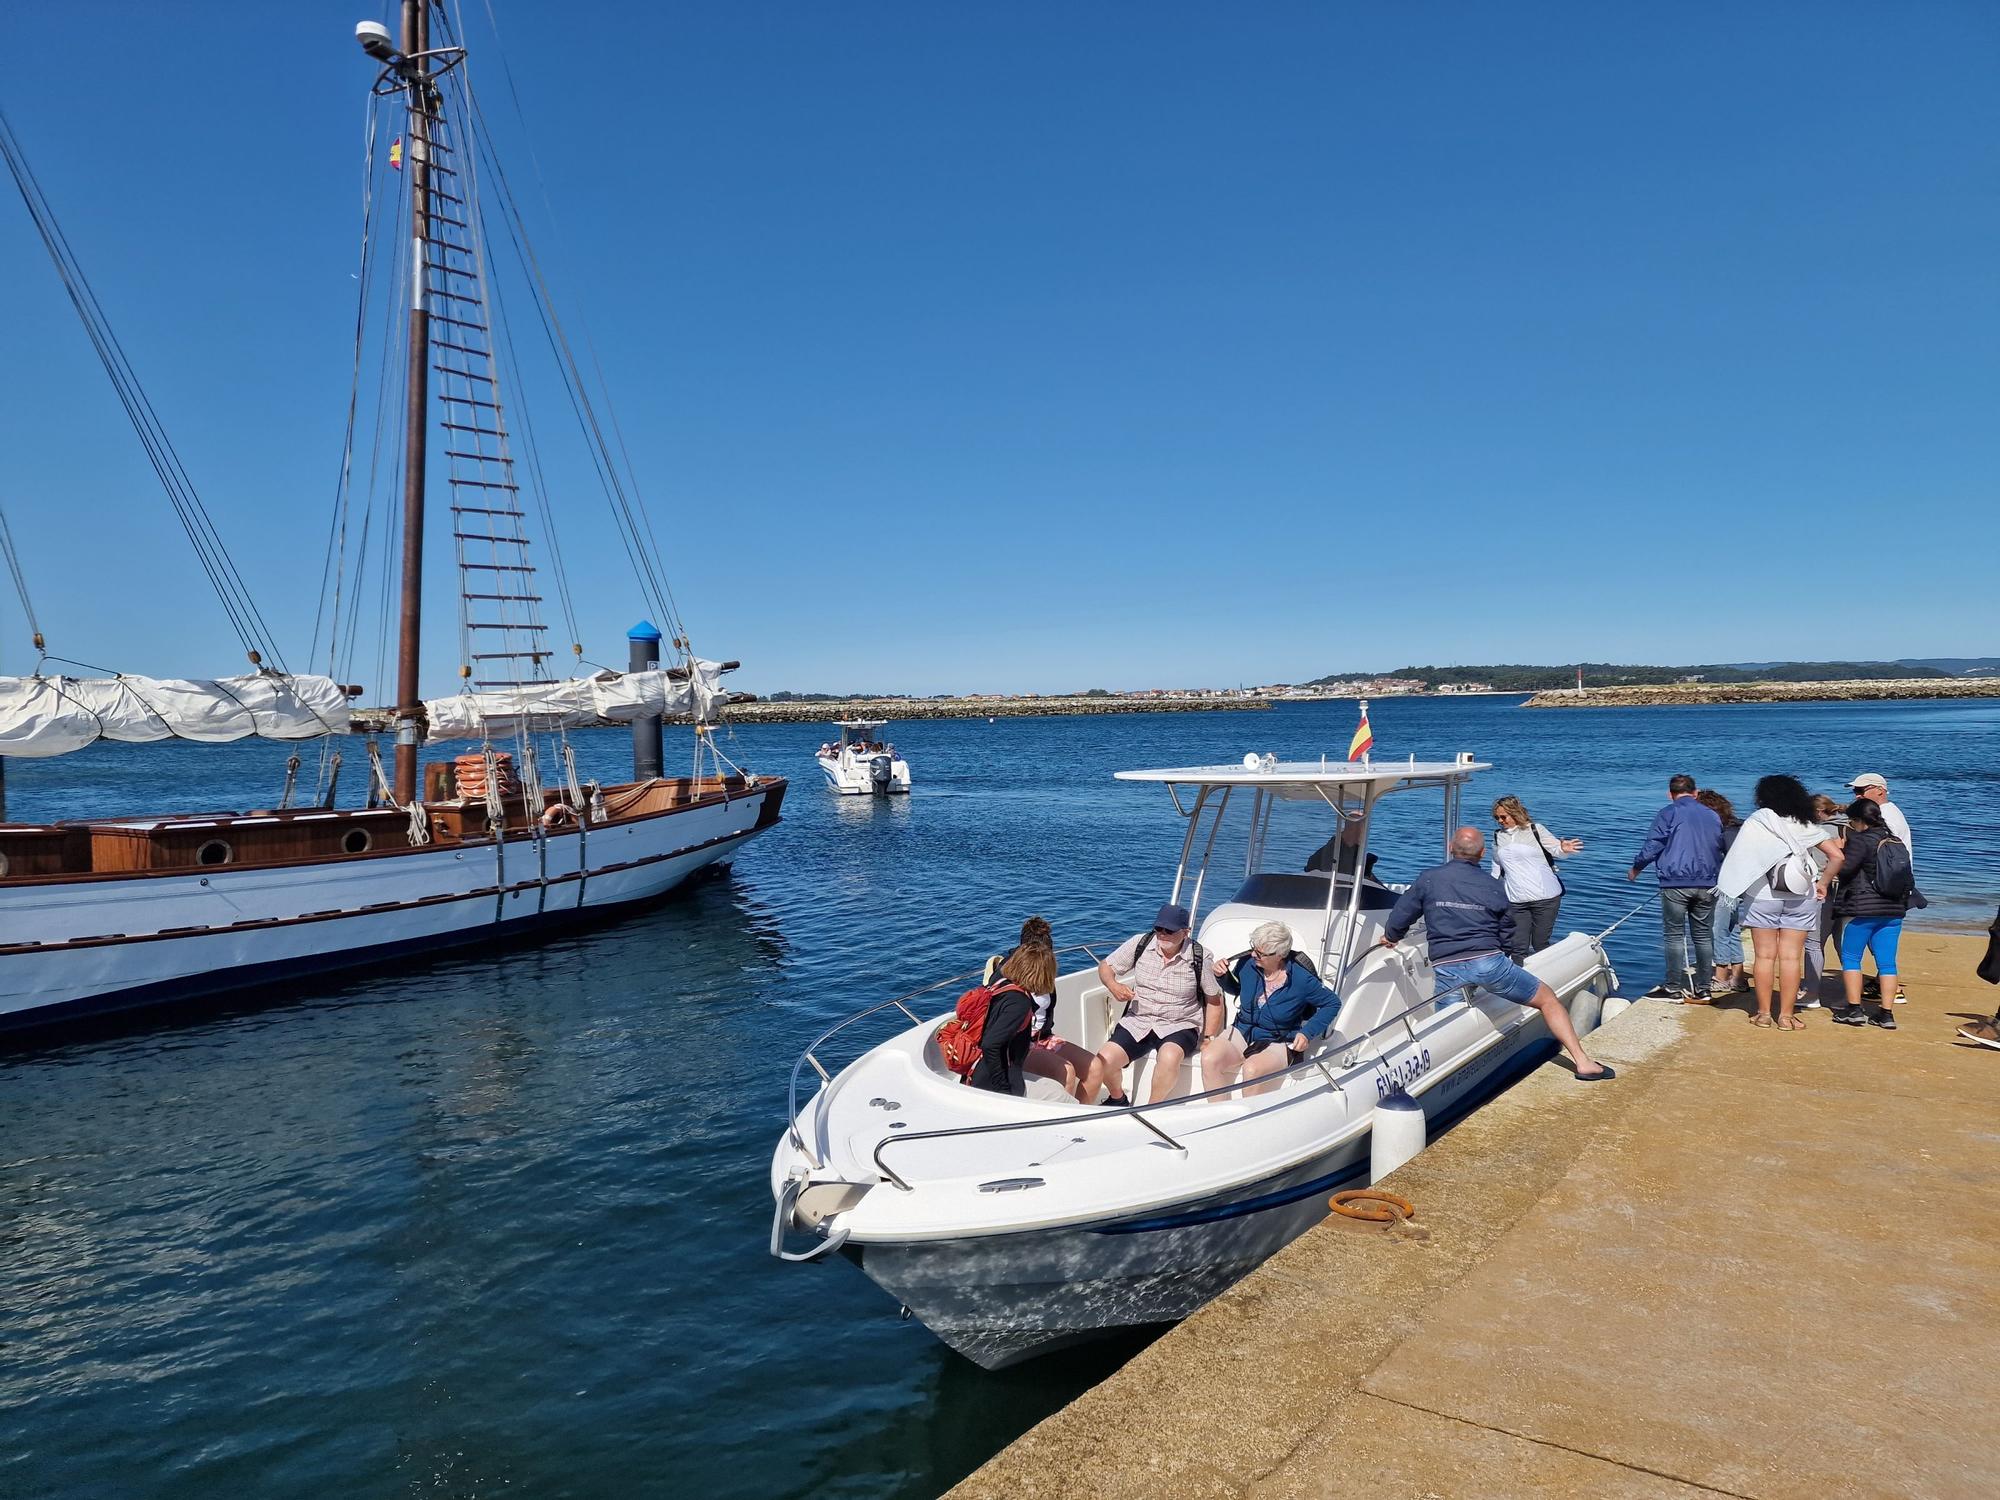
<point>1400,1075</point>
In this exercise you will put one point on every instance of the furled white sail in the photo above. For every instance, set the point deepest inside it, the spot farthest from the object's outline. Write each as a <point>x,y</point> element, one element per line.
<point>43,716</point>
<point>576,702</point>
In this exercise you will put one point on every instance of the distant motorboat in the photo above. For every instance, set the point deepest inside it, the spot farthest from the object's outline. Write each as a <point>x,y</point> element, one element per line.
<point>1014,1226</point>
<point>861,763</point>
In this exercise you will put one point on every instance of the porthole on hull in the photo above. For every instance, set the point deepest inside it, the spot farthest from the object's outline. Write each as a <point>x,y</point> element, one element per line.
<point>214,852</point>
<point>357,840</point>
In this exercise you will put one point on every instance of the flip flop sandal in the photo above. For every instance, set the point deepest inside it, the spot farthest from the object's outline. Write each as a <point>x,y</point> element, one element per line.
<point>1603,1072</point>
<point>1765,1022</point>
<point>1792,1023</point>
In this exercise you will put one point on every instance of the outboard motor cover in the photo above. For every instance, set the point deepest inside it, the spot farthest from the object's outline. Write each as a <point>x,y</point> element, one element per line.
<point>880,769</point>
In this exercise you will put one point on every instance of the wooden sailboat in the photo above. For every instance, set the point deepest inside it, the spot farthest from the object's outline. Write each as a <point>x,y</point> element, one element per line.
<point>108,913</point>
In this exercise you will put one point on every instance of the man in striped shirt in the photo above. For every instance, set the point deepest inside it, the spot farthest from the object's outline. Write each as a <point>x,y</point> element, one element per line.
<point>1172,1005</point>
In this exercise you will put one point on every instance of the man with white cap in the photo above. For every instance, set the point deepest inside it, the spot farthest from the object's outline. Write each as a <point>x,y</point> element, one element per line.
<point>1870,784</point>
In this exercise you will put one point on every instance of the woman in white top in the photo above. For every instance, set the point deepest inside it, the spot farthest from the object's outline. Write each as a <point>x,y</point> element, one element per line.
<point>1773,867</point>
<point>1524,859</point>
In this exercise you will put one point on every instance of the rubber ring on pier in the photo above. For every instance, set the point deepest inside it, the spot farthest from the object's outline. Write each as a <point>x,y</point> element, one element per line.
<point>1372,1204</point>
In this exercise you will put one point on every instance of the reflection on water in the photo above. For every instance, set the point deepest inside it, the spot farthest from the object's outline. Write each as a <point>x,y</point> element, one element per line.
<point>498,1221</point>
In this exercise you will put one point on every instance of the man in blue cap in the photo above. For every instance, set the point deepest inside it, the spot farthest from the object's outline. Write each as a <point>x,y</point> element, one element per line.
<point>1172,1004</point>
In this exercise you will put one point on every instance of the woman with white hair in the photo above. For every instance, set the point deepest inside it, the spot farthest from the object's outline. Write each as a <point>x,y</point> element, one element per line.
<point>1283,1008</point>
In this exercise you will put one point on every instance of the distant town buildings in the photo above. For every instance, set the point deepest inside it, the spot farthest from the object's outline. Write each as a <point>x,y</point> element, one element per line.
<point>1355,687</point>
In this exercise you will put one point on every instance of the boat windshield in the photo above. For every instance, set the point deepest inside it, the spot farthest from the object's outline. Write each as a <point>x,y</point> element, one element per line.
<point>1308,893</point>
<point>1282,845</point>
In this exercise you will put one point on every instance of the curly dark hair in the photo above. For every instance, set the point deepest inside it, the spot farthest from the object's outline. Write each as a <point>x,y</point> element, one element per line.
<point>1036,930</point>
<point>1787,797</point>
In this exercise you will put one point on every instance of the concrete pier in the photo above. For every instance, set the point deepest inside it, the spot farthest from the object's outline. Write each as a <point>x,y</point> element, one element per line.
<point>1758,1263</point>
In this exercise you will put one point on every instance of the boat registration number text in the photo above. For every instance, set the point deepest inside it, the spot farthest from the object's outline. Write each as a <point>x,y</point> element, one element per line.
<point>1400,1075</point>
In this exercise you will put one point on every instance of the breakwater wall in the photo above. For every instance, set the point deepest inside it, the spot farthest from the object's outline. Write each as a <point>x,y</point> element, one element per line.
<point>1689,693</point>
<point>903,709</point>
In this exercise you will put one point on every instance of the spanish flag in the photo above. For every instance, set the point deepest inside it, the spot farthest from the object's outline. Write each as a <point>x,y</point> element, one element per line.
<point>1364,737</point>
<point>396,153</point>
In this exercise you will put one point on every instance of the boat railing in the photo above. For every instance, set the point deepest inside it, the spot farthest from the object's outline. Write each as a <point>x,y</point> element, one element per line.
<point>1095,952</point>
<point>1345,1052</point>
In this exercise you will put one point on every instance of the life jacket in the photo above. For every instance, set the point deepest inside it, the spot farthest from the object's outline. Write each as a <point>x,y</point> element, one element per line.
<point>961,1038</point>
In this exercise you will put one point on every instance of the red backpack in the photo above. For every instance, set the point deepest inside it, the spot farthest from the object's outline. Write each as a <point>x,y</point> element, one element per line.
<point>960,1038</point>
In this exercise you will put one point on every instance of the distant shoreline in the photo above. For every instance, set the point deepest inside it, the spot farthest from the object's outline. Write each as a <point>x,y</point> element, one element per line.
<point>1685,694</point>
<point>900,710</point>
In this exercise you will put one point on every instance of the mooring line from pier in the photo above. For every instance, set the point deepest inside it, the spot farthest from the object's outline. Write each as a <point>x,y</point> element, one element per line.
<point>1627,917</point>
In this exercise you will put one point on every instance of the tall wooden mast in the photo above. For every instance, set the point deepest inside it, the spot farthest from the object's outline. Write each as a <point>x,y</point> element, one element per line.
<point>423,109</point>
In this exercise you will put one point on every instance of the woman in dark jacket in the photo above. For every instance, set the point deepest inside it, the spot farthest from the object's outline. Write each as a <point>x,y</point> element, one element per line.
<point>1282,1009</point>
<point>1005,1039</point>
<point>1874,921</point>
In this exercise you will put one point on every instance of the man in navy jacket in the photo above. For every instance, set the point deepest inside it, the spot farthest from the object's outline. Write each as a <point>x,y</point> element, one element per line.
<point>1684,846</point>
<point>1470,928</point>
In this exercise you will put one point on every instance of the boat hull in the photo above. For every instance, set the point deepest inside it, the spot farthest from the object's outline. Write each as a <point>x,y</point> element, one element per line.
<point>853,779</point>
<point>71,950</point>
<point>1000,1299</point>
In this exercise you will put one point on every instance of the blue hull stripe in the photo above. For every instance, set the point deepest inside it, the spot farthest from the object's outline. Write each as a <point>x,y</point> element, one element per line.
<point>1237,1208</point>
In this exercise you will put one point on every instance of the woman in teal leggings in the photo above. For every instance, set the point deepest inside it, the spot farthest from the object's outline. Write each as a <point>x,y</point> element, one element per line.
<point>1874,921</point>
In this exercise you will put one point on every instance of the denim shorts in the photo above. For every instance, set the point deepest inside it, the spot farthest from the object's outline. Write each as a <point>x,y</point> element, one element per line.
<point>1781,914</point>
<point>1492,971</point>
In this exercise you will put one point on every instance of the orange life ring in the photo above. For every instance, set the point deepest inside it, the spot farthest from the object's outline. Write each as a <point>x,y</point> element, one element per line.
<point>469,772</point>
<point>1371,1204</point>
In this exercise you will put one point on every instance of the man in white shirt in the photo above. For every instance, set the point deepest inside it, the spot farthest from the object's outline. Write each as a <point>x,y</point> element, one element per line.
<point>1870,784</point>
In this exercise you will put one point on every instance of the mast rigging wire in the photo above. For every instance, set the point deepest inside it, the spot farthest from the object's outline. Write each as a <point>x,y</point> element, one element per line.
<point>21,585</point>
<point>333,569</point>
<point>223,576</point>
<point>629,509</point>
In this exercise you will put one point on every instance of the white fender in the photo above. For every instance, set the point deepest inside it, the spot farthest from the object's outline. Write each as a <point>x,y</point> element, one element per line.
<point>1396,1135</point>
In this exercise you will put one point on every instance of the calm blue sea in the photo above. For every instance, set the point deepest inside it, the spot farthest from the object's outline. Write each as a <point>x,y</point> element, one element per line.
<point>497,1223</point>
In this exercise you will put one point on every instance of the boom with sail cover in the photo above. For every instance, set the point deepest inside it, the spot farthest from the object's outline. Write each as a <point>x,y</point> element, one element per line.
<point>45,715</point>
<point>609,698</point>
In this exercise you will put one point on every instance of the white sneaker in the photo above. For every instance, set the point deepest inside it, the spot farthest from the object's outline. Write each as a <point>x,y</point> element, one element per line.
<point>1807,1002</point>
<point>1901,998</point>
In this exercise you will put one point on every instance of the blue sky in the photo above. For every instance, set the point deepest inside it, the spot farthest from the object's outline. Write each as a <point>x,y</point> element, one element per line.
<point>1042,346</point>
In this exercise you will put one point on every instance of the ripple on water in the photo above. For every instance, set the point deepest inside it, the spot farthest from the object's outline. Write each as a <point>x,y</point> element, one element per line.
<point>498,1222</point>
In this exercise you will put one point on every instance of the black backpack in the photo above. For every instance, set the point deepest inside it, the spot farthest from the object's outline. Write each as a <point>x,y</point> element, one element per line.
<point>1890,871</point>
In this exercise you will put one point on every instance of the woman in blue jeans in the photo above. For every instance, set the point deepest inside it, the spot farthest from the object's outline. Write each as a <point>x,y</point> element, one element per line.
<point>1728,936</point>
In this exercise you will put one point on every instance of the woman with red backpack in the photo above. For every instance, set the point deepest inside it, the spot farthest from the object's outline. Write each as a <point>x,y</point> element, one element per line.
<point>1008,1034</point>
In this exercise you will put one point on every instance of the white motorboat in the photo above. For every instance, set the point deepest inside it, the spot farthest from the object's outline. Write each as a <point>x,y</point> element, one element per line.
<point>1013,1226</point>
<point>861,763</point>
